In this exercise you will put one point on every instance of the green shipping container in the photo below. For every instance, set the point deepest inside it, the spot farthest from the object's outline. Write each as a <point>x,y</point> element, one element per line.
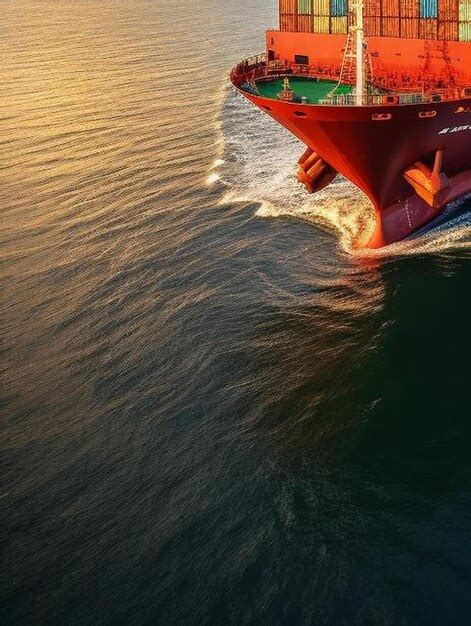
<point>465,31</point>
<point>465,10</point>
<point>304,7</point>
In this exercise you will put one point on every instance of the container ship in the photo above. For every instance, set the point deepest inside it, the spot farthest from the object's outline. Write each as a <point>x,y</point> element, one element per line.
<point>379,91</point>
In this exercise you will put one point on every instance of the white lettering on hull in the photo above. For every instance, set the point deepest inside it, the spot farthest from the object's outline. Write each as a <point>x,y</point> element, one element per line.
<point>455,129</point>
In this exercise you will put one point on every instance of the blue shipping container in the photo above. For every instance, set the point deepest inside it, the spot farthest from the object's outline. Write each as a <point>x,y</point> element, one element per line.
<point>338,7</point>
<point>428,8</point>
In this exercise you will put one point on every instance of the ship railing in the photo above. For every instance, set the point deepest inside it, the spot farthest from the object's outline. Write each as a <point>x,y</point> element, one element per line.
<point>249,69</point>
<point>351,100</point>
<point>257,67</point>
<point>382,99</point>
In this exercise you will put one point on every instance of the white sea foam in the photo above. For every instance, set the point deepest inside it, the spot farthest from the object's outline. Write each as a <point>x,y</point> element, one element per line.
<point>212,178</point>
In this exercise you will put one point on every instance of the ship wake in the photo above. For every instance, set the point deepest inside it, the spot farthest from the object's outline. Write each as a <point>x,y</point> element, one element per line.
<point>259,165</point>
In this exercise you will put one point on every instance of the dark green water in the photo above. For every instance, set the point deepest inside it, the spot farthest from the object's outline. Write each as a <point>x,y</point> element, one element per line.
<point>215,412</point>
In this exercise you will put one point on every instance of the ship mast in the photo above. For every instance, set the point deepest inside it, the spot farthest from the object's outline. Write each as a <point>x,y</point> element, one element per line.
<point>355,63</point>
<point>359,52</point>
<point>356,68</point>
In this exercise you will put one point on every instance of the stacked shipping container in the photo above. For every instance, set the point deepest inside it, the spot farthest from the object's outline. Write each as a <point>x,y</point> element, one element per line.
<point>465,20</point>
<point>410,19</point>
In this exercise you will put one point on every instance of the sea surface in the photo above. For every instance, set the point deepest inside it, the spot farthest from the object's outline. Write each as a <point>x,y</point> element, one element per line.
<point>215,410</point>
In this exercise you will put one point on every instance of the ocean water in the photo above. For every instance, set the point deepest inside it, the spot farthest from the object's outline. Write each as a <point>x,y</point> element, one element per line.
<point>215,410</point>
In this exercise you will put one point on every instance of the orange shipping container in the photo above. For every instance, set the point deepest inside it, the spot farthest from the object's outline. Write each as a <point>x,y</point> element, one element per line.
<point>410,8</point>
<point>428,28</point>
<point>410,28</point>
<point>390,8</point>
<point>288,6</point>
<point>448,10</point>
<point>372,26</point>
<point>288,23</point>
<point>372,8</point>
<point>448,31</point>
<point>304,23</point>
<point>391,27</point>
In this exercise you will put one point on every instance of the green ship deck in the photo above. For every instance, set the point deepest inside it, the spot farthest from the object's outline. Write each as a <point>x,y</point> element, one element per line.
<point>311,88</point>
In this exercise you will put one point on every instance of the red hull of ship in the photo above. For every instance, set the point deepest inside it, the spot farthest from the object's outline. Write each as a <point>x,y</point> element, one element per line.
<point>372,146</point>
